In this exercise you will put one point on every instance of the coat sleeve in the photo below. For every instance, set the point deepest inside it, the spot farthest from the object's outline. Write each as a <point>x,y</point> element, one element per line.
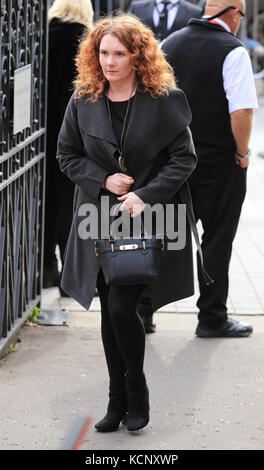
<point>73,160</point>
<point>182,161</point>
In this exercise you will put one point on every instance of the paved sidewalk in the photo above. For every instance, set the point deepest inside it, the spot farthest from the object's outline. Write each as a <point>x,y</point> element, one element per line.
<point>204,394</point>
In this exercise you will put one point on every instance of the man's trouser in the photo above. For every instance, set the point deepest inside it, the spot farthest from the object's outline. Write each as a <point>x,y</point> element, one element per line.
<point>217,195</point>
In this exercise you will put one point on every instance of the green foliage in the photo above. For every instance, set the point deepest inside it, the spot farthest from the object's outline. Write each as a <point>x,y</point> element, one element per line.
<point>34,316</point>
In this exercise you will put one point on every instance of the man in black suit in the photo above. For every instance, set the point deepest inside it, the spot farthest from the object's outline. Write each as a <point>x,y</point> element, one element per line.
<point>164,16</point>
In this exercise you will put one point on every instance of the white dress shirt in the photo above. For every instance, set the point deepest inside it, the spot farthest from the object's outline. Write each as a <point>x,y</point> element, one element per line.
<point>238,78</point>
<point>172,12</point>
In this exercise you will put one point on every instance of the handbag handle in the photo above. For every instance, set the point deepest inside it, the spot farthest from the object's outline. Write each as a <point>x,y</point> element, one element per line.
<point>114,215</point>
<point>186,198</point>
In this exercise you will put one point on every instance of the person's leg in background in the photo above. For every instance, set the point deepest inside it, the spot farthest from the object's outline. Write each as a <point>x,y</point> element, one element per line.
<point>218,200</point>
<point>145,310</point>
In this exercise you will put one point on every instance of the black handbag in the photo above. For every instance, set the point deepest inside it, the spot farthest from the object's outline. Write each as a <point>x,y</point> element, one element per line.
<point>129,261</point>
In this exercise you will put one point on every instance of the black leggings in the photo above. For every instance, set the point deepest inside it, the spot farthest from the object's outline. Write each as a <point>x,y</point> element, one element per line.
<point>122,330</point>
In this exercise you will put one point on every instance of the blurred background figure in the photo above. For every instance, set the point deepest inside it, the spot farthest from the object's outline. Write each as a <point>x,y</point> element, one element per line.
<point>68,19</point>
<point>164,16</point>
<point>104,7</point>
<point>255,33</point>
<point>255,44</point>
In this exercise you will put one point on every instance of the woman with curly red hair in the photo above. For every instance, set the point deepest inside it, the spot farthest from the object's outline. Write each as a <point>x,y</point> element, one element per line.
<point>125,136</point>
<point>150,69</point>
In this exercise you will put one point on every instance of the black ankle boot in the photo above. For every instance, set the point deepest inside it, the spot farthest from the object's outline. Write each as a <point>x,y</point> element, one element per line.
<point>138,403</point>
<point>117,408</point>
<point>149,325</point>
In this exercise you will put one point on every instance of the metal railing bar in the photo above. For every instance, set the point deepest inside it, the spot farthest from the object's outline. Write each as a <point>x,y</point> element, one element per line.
<point>22,171</point>
<point>22,145</point>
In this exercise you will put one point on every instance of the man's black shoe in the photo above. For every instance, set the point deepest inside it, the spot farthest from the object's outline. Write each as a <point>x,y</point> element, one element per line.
<point>149,326</point>
<point>231,329</point>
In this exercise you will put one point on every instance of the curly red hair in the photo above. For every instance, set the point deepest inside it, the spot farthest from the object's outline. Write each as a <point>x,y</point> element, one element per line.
<point>153,72</point>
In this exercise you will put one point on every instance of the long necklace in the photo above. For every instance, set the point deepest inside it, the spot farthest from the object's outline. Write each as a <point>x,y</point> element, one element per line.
<point>120,148</point>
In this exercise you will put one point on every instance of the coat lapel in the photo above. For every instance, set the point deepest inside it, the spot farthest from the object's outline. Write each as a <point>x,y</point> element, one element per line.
<point>136,129</point>
<point>152,125</point>
<point>94,122</point>
<point>180,19</point>
<point>148,13</point>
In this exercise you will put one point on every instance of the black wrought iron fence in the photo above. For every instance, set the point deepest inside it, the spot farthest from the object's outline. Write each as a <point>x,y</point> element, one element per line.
<point>23,33</point>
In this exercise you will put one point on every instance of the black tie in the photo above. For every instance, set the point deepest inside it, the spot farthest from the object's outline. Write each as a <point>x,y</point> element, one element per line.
<point>162,28</point>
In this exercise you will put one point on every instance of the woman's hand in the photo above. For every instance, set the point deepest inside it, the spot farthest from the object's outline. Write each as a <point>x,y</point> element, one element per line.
<point>118,183</point>
<point>132,203</point>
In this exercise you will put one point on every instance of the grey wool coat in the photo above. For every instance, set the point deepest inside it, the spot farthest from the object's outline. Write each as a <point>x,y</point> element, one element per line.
<point>159,155</point>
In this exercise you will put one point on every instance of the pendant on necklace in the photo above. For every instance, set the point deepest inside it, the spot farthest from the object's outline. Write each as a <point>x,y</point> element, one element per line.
<point>121,164</point>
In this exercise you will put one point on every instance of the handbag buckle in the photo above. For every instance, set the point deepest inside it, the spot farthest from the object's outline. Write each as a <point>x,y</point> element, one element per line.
<point>128,247</point>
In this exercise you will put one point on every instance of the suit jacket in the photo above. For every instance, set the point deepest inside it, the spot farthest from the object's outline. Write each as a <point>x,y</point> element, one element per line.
<point>143,9</point>
<point>159,155</point>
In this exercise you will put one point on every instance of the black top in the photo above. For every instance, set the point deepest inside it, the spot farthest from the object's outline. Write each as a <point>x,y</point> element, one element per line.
<point>197,54</point>
<point>118,111</point>
<point>63,46</point>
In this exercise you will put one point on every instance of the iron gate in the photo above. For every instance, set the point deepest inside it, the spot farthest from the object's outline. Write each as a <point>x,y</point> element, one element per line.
<point>23,32</point>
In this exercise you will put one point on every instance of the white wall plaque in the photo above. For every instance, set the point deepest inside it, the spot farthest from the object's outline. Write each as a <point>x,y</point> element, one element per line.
<point>22,98</point>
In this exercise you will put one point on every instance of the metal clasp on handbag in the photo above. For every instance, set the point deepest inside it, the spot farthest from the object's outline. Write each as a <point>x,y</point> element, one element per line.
<point>96,252</point>
<point>128,247</point>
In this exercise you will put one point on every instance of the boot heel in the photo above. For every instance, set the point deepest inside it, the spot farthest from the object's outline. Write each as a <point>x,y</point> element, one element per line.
<point>109,423</point>
<point>138,403</point>
<point>117,407</point>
